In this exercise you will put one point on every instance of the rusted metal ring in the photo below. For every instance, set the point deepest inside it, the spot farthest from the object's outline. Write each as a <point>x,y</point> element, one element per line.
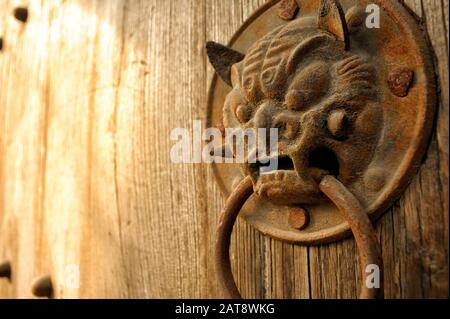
<point>366,240</point>
<point>228,217</point>
<point>349,206</point>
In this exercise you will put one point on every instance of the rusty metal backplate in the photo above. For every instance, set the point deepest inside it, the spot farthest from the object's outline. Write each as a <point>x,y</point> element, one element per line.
<point>407,89</point>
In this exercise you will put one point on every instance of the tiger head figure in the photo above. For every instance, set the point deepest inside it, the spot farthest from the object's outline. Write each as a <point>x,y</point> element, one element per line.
<point>307,80</point>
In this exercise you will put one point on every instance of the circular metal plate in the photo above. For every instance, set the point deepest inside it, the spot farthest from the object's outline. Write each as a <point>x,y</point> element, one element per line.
<point>399,45</point>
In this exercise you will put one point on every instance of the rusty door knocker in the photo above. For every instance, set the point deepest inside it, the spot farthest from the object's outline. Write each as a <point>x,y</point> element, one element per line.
<point>353,105</point>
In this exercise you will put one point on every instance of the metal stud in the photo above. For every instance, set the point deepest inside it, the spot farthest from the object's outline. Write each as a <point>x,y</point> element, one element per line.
<point>21,14</point>
<point>5,269</point>
<point>42,287</point>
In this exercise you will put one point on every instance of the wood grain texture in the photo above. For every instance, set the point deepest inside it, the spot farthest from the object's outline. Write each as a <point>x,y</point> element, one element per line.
<point>89,93</point>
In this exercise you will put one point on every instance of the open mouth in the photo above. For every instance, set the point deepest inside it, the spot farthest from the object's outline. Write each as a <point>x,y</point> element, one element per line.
<point>324,159</point>
<point>285,163</point>
<point>288,184</point>
<point>321,159</point>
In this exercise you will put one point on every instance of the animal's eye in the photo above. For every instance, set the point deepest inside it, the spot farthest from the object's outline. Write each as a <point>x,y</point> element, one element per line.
<point>243,113</point>
<point>338,123</point>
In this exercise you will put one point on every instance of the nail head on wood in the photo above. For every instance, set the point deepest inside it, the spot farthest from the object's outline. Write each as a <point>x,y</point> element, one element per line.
<point>42,287</point>
<point>5,269</point>
<point>21,14</point>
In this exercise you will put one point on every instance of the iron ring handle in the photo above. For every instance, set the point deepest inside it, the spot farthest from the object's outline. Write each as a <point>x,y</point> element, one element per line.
<point>349,206</point>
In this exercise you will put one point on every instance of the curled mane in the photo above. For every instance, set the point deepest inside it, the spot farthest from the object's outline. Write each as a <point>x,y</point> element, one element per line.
<point>272,63</point>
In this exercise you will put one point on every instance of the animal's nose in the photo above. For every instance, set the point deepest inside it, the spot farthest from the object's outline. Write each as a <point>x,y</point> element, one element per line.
<point>268,116</point>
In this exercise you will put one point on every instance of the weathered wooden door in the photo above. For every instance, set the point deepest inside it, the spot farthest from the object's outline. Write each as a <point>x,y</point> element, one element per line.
<point>89,93</point>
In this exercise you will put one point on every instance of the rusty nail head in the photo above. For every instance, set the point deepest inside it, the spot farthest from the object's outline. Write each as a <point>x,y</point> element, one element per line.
<point>399,81</point>
<point>42,287</point>
<point>21,14</point>
<point>287,9</point>
<point>298,218</point>
<point>5,269</point>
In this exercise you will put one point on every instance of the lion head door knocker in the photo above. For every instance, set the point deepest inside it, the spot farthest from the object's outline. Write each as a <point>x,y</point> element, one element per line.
<point>353,108</point>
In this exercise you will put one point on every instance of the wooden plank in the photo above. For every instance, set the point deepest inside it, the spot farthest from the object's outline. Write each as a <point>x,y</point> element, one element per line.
<point>24,99</point>
<point>156,235</point>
